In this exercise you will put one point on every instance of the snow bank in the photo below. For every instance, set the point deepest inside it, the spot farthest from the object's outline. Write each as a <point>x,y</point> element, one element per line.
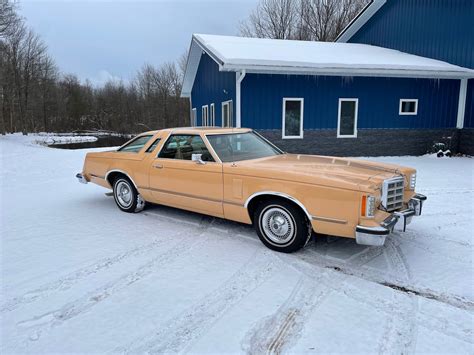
<point>51,140</point>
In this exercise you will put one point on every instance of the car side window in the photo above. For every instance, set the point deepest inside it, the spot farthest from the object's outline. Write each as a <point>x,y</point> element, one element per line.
<point>182,147</point>
<point>152,147</point>
<point>135,145</point>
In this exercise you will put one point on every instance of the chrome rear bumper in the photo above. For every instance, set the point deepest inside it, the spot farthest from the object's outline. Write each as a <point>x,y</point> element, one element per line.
<point>81,178</point>
<point>399,220</point>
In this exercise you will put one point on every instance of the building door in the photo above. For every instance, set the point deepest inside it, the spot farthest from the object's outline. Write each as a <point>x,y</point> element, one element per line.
<point>227,114</point>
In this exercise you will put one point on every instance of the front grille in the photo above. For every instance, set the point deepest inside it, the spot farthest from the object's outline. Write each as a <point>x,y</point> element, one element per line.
<point>392,193</point>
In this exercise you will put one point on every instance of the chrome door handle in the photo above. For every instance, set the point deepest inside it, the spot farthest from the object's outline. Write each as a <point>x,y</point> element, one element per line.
<point>158,166</point>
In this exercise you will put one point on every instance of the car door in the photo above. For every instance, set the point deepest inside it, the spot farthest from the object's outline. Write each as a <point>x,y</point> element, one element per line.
<point>176,180</point>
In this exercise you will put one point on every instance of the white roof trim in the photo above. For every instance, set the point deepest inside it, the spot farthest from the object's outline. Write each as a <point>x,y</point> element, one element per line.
<point>360,20</point>
<point>378,72</point>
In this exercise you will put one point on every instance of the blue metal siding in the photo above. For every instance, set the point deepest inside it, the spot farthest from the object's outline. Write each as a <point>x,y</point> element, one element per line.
<point>441,29</point>
<point>212,86</point>
<point>262,97</point>
<point>469,113</point>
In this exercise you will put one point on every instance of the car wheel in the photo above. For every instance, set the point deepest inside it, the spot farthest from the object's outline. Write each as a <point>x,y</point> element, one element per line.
<point>281,226</point>
<point>126,196</point>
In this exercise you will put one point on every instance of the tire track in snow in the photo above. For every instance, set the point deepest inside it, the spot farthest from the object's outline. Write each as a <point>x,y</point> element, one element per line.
<point>403,338</point>
<point>387,279</point>
<point>180,332</point>
<point>278,332</point>
<point>73,278</point>
<point>400,332</point>
<point>445,326</point>
<point>457,249</point>
<point>39,325</point>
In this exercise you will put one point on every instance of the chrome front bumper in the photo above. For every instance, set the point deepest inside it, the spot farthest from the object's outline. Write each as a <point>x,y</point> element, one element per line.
<point>81,178</point>
<point>399,220</point>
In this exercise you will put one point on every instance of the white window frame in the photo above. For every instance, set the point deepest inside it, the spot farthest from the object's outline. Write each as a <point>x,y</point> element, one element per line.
<point>212,115</point>
<point>205,122</point>
<point>341,100</point>
<point>230,103</point>
<point>408,113</point>
<point>301,100</point>
<point>194,117</point>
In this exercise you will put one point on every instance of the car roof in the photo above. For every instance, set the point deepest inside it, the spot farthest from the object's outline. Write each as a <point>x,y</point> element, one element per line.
<point>198,130</point>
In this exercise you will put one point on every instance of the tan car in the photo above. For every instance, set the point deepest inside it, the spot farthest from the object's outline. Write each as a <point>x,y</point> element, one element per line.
<point>236,174</point>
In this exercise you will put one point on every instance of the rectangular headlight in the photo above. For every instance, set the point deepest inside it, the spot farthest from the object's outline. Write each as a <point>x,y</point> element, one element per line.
<point>412,181</point>
<point>368,206</point>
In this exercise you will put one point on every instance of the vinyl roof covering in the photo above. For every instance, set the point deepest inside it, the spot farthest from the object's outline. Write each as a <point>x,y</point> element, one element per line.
<point>256,55</point>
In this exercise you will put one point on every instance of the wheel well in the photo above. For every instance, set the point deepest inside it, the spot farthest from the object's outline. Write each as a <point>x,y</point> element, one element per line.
<point>257,200</point>
<point>112,176</point>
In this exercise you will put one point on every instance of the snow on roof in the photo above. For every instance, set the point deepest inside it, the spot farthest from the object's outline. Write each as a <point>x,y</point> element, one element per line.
<point>317,58</point>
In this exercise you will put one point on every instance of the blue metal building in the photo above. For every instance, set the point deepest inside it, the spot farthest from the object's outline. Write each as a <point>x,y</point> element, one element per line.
<point>441,29</point>
<point>344,98</point>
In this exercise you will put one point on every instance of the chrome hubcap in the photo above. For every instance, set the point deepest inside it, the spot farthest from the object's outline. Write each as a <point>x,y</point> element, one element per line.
<point>278,225</point>
<point>124,194</point>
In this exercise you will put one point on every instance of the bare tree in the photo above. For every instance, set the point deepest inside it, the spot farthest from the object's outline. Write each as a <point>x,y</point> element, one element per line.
<point>323,20</point>
<point>310,20</point>
<point>8,17</point>
<point>272,19</point>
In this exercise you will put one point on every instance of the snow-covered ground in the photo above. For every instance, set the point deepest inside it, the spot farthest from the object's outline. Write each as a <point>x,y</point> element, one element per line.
<point>78,275</point>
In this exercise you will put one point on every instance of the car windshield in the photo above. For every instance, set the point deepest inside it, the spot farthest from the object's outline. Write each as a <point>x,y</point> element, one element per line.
<point>241,146</point>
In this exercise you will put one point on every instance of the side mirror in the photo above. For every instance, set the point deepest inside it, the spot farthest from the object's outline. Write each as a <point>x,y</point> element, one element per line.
<point>198,159</point>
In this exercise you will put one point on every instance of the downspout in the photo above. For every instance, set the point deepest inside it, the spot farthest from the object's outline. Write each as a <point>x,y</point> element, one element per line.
<point>239,77</point>
<point>462,103</point>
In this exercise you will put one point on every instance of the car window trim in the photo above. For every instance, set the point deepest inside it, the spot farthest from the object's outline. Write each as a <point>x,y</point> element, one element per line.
<point>204,139</point>
<point>159,139</point>
<point>133,140</point>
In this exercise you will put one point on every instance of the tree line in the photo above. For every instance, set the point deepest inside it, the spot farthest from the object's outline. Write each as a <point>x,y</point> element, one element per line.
<point>35,96</point>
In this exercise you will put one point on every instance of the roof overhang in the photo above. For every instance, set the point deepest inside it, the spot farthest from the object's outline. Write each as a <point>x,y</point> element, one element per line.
<point>360,20</point>
<point>198,47</point>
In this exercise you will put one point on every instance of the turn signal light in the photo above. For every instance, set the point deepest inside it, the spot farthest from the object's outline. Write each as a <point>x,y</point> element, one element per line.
<point>368,206</point>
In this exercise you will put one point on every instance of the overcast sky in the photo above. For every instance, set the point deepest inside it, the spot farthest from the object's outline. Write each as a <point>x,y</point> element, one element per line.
<point>99,40</point>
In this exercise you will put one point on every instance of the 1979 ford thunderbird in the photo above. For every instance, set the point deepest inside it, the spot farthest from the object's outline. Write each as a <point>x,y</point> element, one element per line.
<point>236,174</point>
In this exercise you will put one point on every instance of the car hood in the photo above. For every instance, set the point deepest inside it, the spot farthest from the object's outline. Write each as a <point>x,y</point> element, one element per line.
<point>353,174</point>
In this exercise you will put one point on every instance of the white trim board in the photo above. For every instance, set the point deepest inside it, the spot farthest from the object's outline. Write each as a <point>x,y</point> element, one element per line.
<point>205,116</point>
<point>231,114</point>
<point>462,103</point>
<point>360,20</point>
<point>356,100</point>
<point>212,114</point>
<point>301,100</point>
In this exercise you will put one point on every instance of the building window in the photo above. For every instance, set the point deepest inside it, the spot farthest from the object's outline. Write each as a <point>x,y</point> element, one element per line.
<point>293,118</point>
<point>193,118</point>
<point>212,116</point>
<point>205,116</point>
<point>227,114</point>
<point>408,107</point>
<point>347,118</point>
